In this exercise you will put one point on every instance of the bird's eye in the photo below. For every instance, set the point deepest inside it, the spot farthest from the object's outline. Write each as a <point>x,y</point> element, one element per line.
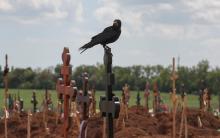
<point>115,23</point>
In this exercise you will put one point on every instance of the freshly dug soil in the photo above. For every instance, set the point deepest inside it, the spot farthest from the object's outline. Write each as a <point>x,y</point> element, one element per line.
<point>139,125</point>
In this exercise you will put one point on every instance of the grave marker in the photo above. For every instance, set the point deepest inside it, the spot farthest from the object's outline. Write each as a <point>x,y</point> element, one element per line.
<point>5,74</point>
<point>183,122</point>
<point>174,97</point>
<point>146,96</point>
<point>109,104</point>
<point>34,102</point>
<point>64,88</point>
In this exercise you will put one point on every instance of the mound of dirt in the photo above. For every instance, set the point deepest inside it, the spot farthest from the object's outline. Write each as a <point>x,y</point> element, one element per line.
<point>140,124</point>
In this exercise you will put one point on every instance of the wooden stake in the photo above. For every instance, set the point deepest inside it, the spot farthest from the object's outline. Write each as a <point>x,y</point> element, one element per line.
<point>104,128</point>
<point>29,124</point>
<point>5,118</point>
<point>183,116</point>
<point>57,113</point>
<point>174,98</point>
<point>6,92</point>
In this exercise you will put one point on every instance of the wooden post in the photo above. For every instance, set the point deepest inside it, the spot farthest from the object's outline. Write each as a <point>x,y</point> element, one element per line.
<point>34,102</point>
<point>64,89</point>
<point>6,70</point>
<point>174,97</point>
<point>104,128</point>
<point>93,104</point>
<point>59,106</point>
<point>183,122</point>
<point>126,98</point>
<point>219,102</point>
<point>109,104</point>
<point>29,124</point>
<point>156,98</point>
<point>138,99</point>
<point>146,95</point>
<point>47,101</point>
<point>84,100</point>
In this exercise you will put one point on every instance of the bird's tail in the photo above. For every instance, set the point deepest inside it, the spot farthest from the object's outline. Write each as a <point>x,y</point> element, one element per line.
<point>85,47</point>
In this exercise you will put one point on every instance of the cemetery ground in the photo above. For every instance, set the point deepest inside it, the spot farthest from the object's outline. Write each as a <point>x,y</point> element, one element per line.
<point>138,125</point>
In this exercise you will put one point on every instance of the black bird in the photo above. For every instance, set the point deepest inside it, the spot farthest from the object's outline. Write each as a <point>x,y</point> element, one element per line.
<point>109,35</point>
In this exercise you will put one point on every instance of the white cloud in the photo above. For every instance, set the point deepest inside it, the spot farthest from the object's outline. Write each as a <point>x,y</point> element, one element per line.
<point>5,5</point>
<point>133,16</point>
<point>39,11</point>
<point>204,11</point>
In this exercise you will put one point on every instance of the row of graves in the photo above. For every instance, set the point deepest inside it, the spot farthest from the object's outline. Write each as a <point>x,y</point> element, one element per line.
<point>74,107</point>
<point>76,116</point>
<point>180,120</point>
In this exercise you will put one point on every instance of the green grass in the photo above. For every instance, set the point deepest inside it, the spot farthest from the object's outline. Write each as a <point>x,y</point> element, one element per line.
<point>27,94</point>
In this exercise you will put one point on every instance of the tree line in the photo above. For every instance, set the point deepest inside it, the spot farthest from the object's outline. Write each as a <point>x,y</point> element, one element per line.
<point>136,76</point>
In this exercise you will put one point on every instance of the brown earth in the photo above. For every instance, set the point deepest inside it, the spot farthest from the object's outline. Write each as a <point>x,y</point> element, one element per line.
<point>139,125</point>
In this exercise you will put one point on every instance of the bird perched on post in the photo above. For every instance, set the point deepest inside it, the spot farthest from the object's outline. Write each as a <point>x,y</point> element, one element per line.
<point>109,35</point>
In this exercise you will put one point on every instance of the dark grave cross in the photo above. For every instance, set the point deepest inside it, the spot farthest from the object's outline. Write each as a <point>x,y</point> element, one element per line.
<point>10,102</point>
<point>64,88</point>
<point>34,102</point>
<point>109,104</point>
<point>84,100</point>
<point>138,99</point>
<point>146,95</point>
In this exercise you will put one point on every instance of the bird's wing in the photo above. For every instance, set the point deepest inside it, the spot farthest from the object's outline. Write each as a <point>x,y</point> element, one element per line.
<point>107,29</point>
<point>107,34</point>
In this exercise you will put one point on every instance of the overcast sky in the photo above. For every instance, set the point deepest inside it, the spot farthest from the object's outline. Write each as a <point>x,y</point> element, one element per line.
<point>34,32</point>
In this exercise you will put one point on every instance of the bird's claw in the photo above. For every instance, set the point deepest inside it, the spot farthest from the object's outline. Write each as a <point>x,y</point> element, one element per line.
<point>106,48</point>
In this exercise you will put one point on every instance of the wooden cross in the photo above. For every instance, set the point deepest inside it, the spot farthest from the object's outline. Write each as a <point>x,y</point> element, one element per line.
<point>10,102</point>
<point>138,100</point>
<point>29,124</point>
<point>92,107</point>
<point>146,95</point>
<point>174,97</point>
<point>156,98</point>
<point>219,102</point>
<point>85,95</point>
<point>183,122</point>
<point>47,101</point>
<point>125,98</point>
<point>6,70</point>
<point>63,87</point>
<point>201,93</point>
<point>84,100</point>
